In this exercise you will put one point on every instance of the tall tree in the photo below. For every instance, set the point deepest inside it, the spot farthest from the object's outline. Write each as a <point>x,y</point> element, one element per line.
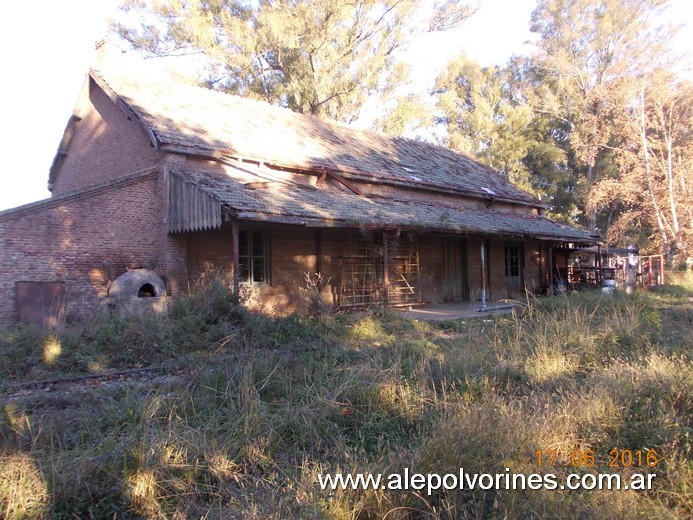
<point>586,48</point>
<point>322,57</point>
<point>483,118</point>
<point>655,156</point>
<point>408,113</point>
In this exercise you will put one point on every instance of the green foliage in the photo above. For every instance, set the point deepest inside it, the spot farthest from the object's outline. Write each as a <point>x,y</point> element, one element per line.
<point>317,57</point>
<point>587,50</point>
<point>409,113</point>
<point>203,318</point>
<point>591,122</point>
<point>484,119</point>
<point>488,115</point>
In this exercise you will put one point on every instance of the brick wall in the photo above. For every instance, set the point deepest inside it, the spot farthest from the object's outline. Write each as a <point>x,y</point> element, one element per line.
<point>297,250</point>
<point>430,249</point>
<point>209,249</point>
<point>172,248</point>
<point>294,251</point>
<point>86,241</point>
<point>494,253</point>
<point>105,145</point>
<point>497,284</point>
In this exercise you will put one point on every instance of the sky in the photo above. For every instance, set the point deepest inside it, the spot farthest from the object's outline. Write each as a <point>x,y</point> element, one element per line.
<point>48,46</point>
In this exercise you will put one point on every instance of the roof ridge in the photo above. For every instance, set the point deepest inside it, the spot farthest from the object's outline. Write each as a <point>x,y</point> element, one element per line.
<point>178,114</point>
<point>265,105</point>
<point>105,75</point>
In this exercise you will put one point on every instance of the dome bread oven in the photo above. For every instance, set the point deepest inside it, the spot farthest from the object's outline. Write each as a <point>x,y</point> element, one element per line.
<point>137,292</point>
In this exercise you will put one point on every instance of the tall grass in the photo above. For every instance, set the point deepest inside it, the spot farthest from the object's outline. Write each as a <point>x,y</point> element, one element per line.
<point>253,408</point>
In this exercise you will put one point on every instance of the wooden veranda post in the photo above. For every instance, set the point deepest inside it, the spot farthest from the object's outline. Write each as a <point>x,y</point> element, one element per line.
<point>550,269</point>
<point>386,271</point>
<point>661,269</point>
<point>483,276</point>
<point>236,261</point>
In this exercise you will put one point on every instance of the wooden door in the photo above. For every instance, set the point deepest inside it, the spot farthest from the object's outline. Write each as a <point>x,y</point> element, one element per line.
<point>513,268</point>
<point>455,284</point>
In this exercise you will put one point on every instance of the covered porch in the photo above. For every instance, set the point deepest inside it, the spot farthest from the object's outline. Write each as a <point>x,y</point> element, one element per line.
<point>370,251</point>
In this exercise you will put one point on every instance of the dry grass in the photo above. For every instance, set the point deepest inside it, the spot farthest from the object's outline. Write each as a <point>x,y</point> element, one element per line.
<point>259,407</point>
<point>23,491</point>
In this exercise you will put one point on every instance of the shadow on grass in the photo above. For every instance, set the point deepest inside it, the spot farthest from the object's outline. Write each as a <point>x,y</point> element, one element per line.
<point>242,426</point>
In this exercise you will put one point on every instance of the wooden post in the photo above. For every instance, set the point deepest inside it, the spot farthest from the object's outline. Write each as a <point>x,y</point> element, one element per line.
<point>661,269</point>
<point>598,265</point>
<point>483,276</point>
<point>318,251</point>
<point>649,271</point>
<point>550,269</point>
<point>624,269</point>
<point>236,261</point>
<point>639,272</point>
<point>386,271</point>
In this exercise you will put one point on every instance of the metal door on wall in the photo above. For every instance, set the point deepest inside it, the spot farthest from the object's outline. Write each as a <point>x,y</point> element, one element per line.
<point>513,268</point>
<point>455,285</point>
<point>40,303</point>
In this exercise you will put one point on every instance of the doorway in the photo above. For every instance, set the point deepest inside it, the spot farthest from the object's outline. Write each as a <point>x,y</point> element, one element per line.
<point>514,253</point>
<point>455,284</point>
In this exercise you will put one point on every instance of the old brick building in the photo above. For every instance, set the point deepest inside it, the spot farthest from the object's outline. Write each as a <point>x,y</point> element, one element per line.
<point>177,179</point>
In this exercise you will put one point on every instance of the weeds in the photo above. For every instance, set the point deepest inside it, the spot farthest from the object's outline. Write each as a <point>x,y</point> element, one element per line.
<point>257,407</point>
<point>312,299</point>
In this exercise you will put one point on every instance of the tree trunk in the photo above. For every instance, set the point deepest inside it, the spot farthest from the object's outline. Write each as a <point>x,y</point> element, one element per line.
<point>593,212</point>
<point>648,175</point>
<point>670,170</point>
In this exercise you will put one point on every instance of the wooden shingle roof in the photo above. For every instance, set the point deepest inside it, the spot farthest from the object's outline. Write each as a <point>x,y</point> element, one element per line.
<point>197,118</point>
<point>191,119</point>
<point>310,206</point>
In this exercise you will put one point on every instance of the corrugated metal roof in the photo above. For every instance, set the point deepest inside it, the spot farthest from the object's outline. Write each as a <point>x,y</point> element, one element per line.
<point>195,117</point>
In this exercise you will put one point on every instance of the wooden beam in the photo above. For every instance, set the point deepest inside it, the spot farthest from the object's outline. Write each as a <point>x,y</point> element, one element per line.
<point>236,261</point>
<point>482,254</point>
<point>318,251</point>
<point>550,269</point>
<point>231,158</point>
<point>336,176</point>
<point>386,271</point>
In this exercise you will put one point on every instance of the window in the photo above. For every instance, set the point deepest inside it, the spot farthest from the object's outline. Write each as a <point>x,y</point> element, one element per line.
<point>253,257</point>
<point>512,261</point>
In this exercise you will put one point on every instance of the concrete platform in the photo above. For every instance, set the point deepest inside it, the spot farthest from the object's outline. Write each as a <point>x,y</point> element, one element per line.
<point>455,311</point>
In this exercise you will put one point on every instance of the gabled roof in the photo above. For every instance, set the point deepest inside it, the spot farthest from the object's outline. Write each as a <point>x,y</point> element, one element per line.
<point>195,118</point>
